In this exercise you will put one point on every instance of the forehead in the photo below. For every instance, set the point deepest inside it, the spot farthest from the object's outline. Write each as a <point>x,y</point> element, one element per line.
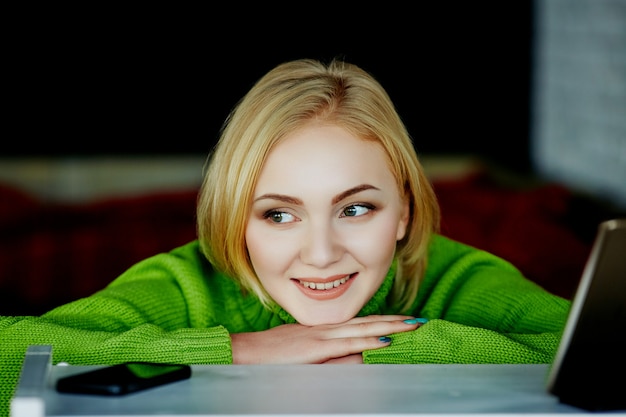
<point>323,155</point>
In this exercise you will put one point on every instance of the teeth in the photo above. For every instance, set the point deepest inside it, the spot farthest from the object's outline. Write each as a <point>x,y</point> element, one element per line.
<point>325,285</point>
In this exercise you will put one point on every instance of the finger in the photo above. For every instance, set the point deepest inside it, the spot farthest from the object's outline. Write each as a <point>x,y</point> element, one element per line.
<point>344,347</point>
<point>369,329</point>
<point>380,317</point>
<point>356,359</point>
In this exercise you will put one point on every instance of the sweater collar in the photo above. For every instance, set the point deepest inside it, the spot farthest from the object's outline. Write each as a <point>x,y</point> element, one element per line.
<point>376,305</point>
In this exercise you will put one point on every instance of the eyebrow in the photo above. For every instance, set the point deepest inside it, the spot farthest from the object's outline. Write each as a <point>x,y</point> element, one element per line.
<point>296,201</point>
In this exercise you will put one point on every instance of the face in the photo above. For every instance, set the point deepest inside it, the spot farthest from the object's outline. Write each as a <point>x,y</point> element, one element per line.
<point>325,219</point>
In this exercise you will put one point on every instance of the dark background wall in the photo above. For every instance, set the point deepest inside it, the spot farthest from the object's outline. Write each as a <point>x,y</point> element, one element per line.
<point>161,81</point>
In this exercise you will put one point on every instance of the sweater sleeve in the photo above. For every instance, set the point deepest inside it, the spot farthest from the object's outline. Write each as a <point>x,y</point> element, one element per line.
<point>481,309</point>
<point>156,311</point>
<point>442,341</point>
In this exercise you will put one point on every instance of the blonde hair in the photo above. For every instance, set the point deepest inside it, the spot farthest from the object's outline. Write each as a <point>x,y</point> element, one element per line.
<point>286,98</point>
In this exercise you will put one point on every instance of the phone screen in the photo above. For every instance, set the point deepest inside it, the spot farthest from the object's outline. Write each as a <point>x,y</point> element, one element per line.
<point>123,378</point>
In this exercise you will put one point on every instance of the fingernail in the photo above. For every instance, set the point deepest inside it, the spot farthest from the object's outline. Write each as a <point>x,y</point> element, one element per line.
<point>385,339</point>
<point>417,320</point>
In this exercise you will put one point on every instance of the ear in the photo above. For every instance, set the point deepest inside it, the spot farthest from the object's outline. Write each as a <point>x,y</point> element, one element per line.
<point>403,222</point>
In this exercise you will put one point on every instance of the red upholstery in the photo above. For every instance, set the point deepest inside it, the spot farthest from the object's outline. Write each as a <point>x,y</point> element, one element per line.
<point>54,253</point>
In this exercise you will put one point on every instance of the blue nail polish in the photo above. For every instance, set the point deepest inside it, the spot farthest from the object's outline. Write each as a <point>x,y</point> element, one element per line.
<point>417,320</point>
<point>385,339</point>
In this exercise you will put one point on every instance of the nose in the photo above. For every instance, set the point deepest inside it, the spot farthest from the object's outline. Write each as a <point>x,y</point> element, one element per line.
<point>321,246</point>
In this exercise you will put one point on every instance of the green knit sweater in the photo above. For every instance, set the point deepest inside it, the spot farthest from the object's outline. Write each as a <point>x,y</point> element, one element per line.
<point>174,307</point>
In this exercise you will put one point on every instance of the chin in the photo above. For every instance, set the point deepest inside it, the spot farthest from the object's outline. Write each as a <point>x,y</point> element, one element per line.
<point>317,319</point>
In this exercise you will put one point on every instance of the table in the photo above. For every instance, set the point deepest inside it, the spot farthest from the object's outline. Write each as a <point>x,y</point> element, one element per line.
<point>246,390</point>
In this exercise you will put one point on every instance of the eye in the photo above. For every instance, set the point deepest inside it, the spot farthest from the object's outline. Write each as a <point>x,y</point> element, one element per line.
<point>276,216</point>
<point>356,210</point>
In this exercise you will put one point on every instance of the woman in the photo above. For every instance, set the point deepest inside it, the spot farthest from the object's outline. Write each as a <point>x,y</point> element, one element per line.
<point>317,243</point>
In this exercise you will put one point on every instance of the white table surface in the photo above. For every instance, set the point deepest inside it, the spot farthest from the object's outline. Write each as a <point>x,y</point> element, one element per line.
<point>369,390</point>
<point>322,390</point>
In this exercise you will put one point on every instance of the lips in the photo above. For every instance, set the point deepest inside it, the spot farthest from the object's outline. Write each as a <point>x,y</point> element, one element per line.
<point>326,290</point>
<point>325,285</point>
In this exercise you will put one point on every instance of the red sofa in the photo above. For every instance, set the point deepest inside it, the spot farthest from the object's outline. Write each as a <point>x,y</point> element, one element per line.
<point>54,253</point>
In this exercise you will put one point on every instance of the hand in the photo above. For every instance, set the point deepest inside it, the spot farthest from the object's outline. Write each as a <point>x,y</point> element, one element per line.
<point>329,343</point>
<point>355,359</point>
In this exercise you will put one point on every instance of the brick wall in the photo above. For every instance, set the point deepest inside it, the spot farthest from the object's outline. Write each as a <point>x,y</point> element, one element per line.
<point>579,95</point>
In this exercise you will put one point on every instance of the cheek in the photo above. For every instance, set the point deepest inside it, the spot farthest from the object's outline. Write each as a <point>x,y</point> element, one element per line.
<point>267,254</point>
<point>377,244</point>
<point>256,249</point>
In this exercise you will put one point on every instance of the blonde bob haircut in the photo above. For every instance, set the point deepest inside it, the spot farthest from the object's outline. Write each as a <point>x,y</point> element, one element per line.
<point>285,99</point>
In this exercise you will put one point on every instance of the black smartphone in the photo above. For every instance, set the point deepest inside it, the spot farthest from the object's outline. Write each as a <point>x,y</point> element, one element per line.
<point>123,378</point>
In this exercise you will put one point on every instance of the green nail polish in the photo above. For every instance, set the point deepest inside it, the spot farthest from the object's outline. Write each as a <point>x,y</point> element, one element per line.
<point>419,320</point>
<point>385,339</point>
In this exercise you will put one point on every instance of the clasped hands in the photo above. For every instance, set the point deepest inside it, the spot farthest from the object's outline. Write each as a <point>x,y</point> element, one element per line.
<point>341,343</point>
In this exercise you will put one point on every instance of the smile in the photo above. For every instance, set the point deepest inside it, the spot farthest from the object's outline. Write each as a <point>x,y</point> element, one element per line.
<point>325,285</point>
